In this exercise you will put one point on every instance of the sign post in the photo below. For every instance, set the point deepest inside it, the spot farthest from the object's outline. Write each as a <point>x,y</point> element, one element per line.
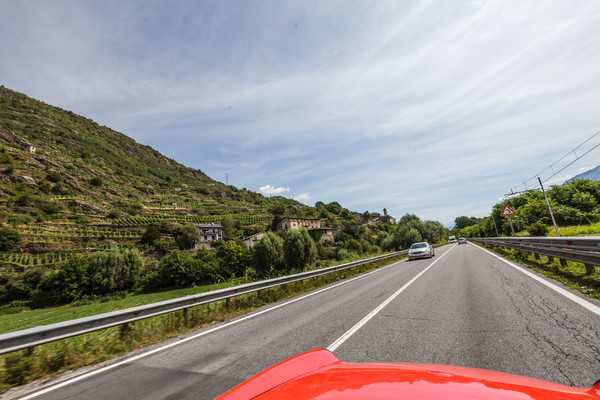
<point>509,212</point>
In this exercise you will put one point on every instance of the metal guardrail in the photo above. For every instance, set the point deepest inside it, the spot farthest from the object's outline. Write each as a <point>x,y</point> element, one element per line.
<point>28,338</point>
<point>585,250</point>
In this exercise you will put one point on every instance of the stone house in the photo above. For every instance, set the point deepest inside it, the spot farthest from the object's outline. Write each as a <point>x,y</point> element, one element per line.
<point>296,223</point>
<point>210,232</point>
<point>252,240</point>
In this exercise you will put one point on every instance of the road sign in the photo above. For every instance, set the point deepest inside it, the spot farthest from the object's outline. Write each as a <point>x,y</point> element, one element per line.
<point>507,211</point>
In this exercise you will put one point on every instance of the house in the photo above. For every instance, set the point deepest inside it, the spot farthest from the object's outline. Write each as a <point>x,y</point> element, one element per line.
<point>296,223</point>
<point>210,232</point>
<point>252,240</point>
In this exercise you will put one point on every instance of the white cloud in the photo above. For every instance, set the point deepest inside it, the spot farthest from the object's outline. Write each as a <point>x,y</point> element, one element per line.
<point>303,198</point>
<point>435,108</point>
<point>269,190</point>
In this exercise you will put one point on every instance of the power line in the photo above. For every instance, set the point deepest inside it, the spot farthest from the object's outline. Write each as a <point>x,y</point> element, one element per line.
<point>526,185</point>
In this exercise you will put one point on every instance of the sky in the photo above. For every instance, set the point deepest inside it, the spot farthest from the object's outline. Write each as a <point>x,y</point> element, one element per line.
<point>435,108</point>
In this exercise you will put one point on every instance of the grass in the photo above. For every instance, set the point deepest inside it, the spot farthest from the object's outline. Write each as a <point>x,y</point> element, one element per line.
<point>583,230</point>
<point>20,367</point>
<point>46,316</point>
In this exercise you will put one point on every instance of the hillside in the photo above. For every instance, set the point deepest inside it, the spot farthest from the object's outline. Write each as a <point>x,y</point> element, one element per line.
<point>592,174</point>
<point>71,185</point>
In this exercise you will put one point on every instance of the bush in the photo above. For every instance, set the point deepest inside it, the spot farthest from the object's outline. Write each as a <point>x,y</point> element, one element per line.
<point>152,233</point>
<point>9,238</point>
<point>538,229</point>
<point>354,246</point>
<point>53,177</point>
<point>181,270</point>
<point>20,219</point>
<point>96,181</point>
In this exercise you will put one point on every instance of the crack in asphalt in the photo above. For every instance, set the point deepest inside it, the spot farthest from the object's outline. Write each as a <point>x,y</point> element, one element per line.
<point>557,335</point>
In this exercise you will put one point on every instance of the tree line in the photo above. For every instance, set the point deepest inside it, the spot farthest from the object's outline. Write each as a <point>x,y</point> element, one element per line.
<point>573,203</point>
<point>121,270</point>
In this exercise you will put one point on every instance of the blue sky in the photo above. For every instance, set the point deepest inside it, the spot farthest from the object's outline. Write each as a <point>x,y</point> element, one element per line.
<point>436,108</point>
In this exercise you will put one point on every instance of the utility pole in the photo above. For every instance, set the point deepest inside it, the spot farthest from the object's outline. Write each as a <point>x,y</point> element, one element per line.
<point>549,208</point>
<point>227,178</point>
<point>495,227</point>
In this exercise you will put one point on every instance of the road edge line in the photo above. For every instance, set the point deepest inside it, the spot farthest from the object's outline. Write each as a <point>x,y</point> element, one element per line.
<point>582,302</point>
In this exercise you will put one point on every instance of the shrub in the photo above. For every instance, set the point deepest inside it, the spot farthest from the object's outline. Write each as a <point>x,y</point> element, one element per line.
<point>538,229</point>
<point>9,238</point>
<point>152,233</point>
<point>20,219</point>
<point>96,181</point>
<point>53,177</point>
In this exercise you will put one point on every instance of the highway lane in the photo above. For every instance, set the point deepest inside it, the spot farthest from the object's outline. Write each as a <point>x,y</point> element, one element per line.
<point>467,309</point>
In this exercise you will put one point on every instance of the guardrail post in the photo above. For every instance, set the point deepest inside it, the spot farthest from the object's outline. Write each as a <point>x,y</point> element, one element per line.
<point>537,256</point>
<point>30,351</point>
<point>227,303</point>
<point>589,269</point>
<point>550,259</point>
<point>185,316</point>
<point>563,262</point>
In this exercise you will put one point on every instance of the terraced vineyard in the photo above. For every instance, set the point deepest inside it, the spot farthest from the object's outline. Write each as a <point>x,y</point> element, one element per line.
<point>69,185</point>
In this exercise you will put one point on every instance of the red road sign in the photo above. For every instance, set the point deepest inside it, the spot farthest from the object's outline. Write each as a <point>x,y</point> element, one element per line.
<point>507,211</point>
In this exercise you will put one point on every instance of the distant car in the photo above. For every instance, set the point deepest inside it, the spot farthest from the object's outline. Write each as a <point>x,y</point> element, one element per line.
<point>318,374</point>
<point>462,240</point>
<point>420,250</point>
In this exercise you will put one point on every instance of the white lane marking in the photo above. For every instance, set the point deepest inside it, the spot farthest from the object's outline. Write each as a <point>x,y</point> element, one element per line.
<point>368,317</point>
<point>582,302</point>
<point>139,356</point>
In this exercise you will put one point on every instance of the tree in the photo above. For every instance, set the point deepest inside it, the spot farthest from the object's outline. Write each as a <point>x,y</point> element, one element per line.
<point>354,246</point>
<point>115,270</point>
<point>233,258</point>
<point>334,207</point>
<point>319,205</point>
<point>152,233</point>
<point>228,227</point>
<point>72,280</point>
<point>463,222</point>
<point>187,236</point>
<point>298,248</point>
<point>267,256</point>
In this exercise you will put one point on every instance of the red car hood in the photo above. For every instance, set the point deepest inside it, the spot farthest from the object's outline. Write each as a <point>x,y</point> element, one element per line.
<point>318,374</point>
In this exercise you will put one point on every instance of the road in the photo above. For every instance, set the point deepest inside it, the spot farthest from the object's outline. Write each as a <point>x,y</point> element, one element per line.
<point>463,307</point>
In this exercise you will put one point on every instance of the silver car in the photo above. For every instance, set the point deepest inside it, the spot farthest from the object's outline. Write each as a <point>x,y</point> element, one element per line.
<point>420,250</point>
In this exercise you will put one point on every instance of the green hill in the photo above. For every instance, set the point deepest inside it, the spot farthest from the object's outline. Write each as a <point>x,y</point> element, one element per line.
<point>71,185</point>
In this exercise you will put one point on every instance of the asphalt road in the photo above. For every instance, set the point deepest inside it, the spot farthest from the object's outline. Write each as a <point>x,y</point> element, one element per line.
<point>463,307</point>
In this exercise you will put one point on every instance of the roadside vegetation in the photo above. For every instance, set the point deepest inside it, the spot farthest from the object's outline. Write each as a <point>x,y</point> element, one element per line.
<point>575,206</point>
<point>22,367</point>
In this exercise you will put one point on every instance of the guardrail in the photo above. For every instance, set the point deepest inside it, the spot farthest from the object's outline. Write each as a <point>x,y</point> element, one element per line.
<point>29,338</point>
<point>585,250</point>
